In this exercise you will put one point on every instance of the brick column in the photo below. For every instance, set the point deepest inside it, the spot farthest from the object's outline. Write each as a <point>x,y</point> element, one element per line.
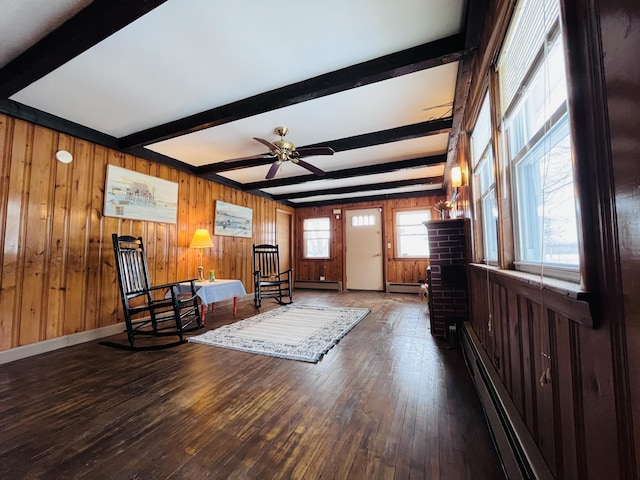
<point>448,259</point>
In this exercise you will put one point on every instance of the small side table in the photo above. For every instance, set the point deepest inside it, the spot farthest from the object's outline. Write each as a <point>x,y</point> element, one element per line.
<point>220,289</point>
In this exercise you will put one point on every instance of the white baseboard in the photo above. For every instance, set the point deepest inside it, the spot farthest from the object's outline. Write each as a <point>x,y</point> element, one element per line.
<point>393,287</point>
<point>319,285</point>
<point>25,351</point>
<point>30,350</point>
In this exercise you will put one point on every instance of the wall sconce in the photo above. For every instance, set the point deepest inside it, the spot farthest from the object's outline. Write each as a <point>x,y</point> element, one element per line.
<point>201,239</point>
<point>456,177</point>
<point>456,181</point>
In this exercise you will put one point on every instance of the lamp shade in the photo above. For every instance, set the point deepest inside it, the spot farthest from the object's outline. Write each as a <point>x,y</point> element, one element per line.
<point>456,177</point>
<point>201,239</point>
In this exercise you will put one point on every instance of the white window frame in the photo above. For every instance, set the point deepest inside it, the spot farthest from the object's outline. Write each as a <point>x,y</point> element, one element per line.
<point>536,129</point>
<point>483,167</point>
<point>417,230</point>
<point>320,236</point>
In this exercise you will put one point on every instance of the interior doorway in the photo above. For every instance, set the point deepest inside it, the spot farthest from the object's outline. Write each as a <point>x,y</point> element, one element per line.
<point>363,240</point>
<point>283,238</point>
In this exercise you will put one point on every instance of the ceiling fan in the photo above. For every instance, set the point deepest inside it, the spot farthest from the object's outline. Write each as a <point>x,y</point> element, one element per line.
<point>283,150</point>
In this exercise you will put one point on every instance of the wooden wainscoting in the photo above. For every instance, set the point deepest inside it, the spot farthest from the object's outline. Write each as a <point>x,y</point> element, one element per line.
<point>555,368</point>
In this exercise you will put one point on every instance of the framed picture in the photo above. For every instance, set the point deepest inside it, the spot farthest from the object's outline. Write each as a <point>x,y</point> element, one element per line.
<point>233,220</point>
<point>136,196</point>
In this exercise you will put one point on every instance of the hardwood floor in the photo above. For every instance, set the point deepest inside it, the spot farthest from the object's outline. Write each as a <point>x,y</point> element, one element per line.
<point>388,401</point>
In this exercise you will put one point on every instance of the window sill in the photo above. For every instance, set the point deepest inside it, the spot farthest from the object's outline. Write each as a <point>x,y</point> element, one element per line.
<point>563,297</point>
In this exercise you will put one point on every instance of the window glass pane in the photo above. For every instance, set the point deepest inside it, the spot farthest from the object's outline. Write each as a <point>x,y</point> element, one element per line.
<point>534,92</point>
<point>316,237</point>
<point>547,224</point>
<point>411,233</point>
<point>490,226</point>
<point>316,223</point>
<point>545,94</point>
<point>532,20</point>
<point>413,217</point>
<point>484,171</point>
<point>482,131</point>
<point>363,221</point>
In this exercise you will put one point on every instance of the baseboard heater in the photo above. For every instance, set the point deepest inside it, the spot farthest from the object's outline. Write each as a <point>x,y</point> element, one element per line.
<point>403,287</point>
<point>520,456</point>
<point>319,284</point>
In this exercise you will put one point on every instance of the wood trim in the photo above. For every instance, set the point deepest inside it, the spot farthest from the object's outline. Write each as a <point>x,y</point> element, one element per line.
<point>576,304</point>
<point>362,188</point>
<point>371,198</point>
<point>350,172</point>
<point>406,132</point>
<point>595,181</point>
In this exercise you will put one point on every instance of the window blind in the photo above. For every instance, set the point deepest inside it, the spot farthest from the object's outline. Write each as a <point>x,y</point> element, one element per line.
<point>533,20</point>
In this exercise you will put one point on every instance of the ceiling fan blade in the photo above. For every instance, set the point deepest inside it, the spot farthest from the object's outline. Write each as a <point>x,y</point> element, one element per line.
<point>272,171</point>
<point>309,167</point>
<point>307,152</point>
<point>266,143</point>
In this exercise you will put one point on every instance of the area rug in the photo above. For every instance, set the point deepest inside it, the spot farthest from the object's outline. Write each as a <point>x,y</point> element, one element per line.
<point>296,332</point>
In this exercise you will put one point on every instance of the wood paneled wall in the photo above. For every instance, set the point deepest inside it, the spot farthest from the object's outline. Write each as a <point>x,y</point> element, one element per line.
<point>585,421</point>
<point>57,272</point>
<point>395,269</point>
<point>527,334</point>
<point>620,38</point>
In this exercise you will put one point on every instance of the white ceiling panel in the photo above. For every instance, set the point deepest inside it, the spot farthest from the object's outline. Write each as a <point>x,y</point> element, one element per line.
<point>371,108</point>
<point>190,55</point>
<point>190,83</point>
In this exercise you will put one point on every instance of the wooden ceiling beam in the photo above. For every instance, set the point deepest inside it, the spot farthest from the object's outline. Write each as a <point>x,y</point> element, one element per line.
<point>421,57</point>
<point>89,26</point>
<point>363,188</point>
<point>371,198</point>
<point>348,172</point>
<point>407,132</point>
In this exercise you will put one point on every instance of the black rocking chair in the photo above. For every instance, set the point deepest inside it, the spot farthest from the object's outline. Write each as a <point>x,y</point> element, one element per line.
<point>268,280</point>
<point>158,310</point>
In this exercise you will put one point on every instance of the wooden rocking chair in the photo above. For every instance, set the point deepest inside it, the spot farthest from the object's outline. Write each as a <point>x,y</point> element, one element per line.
<point>157,310</point>
<point>268,280</point>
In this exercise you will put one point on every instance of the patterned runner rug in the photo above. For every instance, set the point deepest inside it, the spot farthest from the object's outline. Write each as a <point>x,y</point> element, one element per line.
<point>296,332</point>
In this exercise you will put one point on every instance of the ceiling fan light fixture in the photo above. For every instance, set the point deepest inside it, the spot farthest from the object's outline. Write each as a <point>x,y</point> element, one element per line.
<point>283,150</point>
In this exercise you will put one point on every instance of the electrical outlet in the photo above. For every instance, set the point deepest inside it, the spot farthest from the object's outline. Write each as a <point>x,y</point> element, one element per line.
<point>496,360</point>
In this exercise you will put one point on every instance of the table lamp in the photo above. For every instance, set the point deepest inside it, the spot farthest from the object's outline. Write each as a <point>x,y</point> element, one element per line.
<point>201,239</point>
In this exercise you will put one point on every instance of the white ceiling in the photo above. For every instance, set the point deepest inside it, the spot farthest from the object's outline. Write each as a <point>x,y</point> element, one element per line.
<point>207,59</point>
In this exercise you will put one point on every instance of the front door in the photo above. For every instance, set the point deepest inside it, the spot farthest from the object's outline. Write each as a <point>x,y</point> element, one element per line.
<point>363,233</point>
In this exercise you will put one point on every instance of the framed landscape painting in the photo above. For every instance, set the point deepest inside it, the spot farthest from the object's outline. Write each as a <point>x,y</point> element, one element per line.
<point>136,196</point>
<point>233,220</point>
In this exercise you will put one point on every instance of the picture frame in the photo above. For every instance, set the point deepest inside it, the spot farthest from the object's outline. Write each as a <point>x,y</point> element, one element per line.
<point>136,196</point>
<point>233,220</point>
